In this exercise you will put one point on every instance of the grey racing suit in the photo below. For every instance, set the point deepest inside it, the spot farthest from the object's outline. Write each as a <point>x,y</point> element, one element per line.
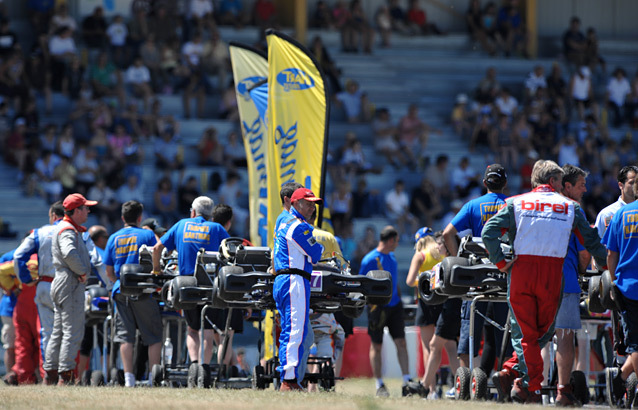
<point>71,260</point>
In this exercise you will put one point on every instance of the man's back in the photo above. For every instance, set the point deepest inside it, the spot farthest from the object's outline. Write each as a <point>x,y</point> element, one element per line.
<point>123,246</point>
<point>477,212</point>
<point>376,260</point>
<point>188,236</point>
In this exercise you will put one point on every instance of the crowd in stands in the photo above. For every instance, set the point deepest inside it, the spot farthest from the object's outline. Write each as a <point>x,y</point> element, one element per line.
<point>114,69</point>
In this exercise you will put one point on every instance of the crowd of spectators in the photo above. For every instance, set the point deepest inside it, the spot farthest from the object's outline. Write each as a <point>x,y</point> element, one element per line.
<point>113,69</point>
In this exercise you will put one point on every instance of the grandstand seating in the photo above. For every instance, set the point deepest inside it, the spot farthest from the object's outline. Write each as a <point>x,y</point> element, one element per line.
<point>429,71</point>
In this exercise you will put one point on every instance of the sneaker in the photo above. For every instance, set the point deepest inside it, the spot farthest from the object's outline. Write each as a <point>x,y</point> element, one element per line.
<point>382,391</point>
<point>191,380</point>
<point>450,393</point>
<point>290,385</point>
<point>412,388</point>
<point>434,396</point>
<point>503,381</point>
<point>565,397</point>
<point>615,386</point>
<point>11,379</point>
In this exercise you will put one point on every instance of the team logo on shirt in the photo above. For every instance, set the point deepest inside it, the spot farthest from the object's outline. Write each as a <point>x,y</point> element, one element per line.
<point>630,224</point>
<point>295,79</point>
<point>125,245</point>
<point>488,210</point>
<point>196,233</point>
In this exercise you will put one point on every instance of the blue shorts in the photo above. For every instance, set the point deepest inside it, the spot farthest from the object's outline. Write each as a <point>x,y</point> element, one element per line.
<point>629,318</point>
<point>568,316</point>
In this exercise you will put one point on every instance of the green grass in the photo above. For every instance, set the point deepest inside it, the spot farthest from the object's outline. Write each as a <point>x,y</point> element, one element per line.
<point>349,394</point>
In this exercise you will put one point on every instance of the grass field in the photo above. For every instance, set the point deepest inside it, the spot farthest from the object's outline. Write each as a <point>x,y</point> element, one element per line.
<point>349,394</point>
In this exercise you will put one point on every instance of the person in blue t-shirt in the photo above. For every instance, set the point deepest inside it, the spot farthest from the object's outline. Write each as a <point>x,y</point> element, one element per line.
<point>568,317</point>
<point>285,194</point>
<point>133,313</point>
<point>390,315</point>
<point>621,240</point>
<point>188,236</point>
<point>473,216</point>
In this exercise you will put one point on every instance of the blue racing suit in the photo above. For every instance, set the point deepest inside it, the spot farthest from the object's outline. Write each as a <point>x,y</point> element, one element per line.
<point>295,252</point>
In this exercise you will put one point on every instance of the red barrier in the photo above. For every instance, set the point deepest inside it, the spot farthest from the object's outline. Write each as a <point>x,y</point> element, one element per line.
<point>356,354</point>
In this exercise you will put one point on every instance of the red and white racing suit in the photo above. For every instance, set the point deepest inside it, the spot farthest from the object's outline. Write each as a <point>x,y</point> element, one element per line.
<point>539,225</point>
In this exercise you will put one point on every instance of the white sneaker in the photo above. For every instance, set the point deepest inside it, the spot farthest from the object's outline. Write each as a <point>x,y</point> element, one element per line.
<point>450,393</point>
<point>434,396</point>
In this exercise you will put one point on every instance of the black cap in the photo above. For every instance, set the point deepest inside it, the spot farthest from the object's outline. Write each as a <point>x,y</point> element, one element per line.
<point>495,174</point>
<point>155,226</point>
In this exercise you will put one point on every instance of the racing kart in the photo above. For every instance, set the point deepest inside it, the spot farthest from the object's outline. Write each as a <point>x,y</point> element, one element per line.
<point>466,275</point>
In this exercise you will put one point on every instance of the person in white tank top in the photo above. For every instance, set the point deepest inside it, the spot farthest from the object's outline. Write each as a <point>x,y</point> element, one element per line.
<point>582,93</point>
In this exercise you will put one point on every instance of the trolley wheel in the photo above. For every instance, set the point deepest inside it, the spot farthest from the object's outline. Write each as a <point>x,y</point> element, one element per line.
<point>352,311</point>
<point>630,385</point>
<point>580,387</point>
<point>379,300</point>
<point>85,380</point>
<point>191,380</point>
<point>157,375</point>
<point>327,381</point>
<point>203,377</point>
<point>97,378</point>
<point>593,292</point>
<point>258,378</point>
<point>117,377</point>
<point>478,387</point>
<point>462,381</point>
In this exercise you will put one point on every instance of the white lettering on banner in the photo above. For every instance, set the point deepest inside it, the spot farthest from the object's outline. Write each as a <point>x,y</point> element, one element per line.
<point>255,136</point>
<point>287,142</point>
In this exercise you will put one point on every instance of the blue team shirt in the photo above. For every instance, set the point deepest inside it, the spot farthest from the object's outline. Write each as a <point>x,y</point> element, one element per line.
<point>188,236</point>
<point>477,212</point>
<point>389,263</point>
<point>8,302</point>
<point>570,266</point>
<point>622,237</point>
<point>123,247</point>
<point>283,217</point>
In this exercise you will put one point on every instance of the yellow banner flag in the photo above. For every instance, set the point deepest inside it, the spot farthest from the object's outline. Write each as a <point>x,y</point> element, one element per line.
<point>297,127</point>
<point>250,68</point>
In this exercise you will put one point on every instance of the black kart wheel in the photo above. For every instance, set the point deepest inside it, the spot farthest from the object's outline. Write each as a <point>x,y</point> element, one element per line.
<point>97,378</point>
<point>327,381</point>
<point>462,381</point>
<point>377,300</point>
<point>258,378</point>
<point>157,375</point>
<point>593,292</point>
<point>478,388</point>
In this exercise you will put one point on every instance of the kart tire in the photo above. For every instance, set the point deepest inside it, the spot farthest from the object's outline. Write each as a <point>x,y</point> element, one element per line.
<point>462,381</point>
<point>203,377</point>
<point>605,291</point>
<point>594,303</point>
<point>446,268</point>
<point>378,300</point>
<point>177,284</point>
<point>164,295</point>
<point>191,379</point>
<point>478,386</point>
<point>327,381</point>
<point>216,301</point>
<point>223,274</point>
<point>86,378</point>
<point>97,378</point>
<point>579,386</point>
<point>258,381</point>
<point>157,375</point>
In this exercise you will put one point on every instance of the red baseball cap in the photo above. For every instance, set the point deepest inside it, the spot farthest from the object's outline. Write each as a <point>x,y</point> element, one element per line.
<point>304,193</point>
<point>76,200</point>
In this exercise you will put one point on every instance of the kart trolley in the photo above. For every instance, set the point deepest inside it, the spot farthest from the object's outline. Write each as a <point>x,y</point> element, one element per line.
<point>245,281</point>
<point>471,276</point>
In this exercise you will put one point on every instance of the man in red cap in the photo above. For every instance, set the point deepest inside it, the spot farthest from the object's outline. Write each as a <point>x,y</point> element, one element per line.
<point>295,252</point>
<point>72,264</point>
